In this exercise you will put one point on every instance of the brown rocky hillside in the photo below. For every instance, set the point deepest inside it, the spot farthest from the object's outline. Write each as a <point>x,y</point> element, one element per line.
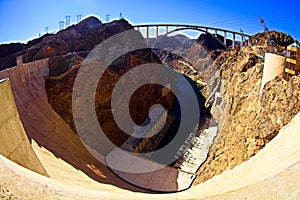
<point>59,90</point>
<point>247,120</point>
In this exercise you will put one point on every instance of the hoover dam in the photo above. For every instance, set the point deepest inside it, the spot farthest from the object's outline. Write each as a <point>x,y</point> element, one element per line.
<point>41,156</point>
<point>53,164</point>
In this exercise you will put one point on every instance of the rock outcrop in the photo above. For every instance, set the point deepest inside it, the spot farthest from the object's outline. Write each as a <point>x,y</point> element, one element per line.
<point>210,43</point>
<point>78,38</point>
<point>247,120</point>
<point>59,84</point>
<point>59,90</point>
<point>269,41</point>
<point>66,51</point>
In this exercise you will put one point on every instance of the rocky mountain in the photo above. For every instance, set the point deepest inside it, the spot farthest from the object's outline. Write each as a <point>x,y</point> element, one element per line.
<point>67,49</point>
<point>269,41</point>
<point>79,38</point>
<point>188,56</point>
<point>209,42</point>
<point>177,44</point>
<point>59,84</point>
<point>247,120</point>
<point>9,52</point>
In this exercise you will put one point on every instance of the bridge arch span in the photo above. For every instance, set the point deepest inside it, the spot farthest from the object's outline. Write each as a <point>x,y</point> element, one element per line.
<point>206,29</point>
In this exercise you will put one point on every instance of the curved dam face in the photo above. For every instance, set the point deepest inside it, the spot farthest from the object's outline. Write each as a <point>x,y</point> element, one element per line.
<point>57,147</point>
<point>53,163</point>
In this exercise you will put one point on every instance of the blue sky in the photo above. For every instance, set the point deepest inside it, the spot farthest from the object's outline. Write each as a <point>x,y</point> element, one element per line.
<point>21,20</point>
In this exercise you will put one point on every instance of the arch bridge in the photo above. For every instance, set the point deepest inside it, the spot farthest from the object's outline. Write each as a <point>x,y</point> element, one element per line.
<point>165,29</point>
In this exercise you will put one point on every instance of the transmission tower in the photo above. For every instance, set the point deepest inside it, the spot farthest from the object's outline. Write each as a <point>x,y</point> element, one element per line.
<point>271,42</point>
<point>79,18</point>
<point>46,29</point>
<point>68,17</point>
<point>61,25</point>
<point>107,17</point>
<point>262,22</point>
<point>121,16</point>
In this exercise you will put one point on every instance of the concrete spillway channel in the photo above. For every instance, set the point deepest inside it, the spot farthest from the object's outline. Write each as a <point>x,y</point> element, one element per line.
<point>42,158</point>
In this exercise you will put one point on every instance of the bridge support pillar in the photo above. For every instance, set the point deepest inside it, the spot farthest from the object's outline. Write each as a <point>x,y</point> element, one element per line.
<point>147,32</point>
<point>225,38</point>
<point>156,31</point>
<point>216,33</point>
<point>241,45</point>
<point>167,29</point>
<point>233,40</point>
<point>249,42</point>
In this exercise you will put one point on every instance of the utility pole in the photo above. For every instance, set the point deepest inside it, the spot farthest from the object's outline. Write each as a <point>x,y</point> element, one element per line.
<point>107,17</point>
<point>79,18</point>
<point>46,29</point>
<point>61,25</point>
<point>68,17</point>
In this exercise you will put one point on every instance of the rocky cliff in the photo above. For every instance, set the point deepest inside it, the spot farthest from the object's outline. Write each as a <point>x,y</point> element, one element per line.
<point>78,38</point>
<point>59,84</point>
<point>247,120</point>
<point>269,41</point>
<point>210,43</point>
<point>59,90</point>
